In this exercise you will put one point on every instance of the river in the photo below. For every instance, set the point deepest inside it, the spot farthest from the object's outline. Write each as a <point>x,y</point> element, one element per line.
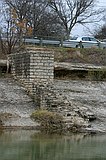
<point>30,145</point>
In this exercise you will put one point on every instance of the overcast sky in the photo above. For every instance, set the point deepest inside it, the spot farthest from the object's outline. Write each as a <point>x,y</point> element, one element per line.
<point>79,30</point>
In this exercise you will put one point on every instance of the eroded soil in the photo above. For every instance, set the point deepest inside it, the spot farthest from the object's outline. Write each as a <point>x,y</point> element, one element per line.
<point>15,105</point>
<point>86,94</point>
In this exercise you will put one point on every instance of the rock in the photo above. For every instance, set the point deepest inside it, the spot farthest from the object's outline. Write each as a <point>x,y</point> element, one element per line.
<point>1,122</point>
<point>86,113</point>
<point>90,116</point>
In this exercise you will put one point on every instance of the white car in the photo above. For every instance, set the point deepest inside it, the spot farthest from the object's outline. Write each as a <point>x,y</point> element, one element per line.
<point>84,42</point>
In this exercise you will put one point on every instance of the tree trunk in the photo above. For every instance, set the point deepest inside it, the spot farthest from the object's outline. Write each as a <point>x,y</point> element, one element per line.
<point>67,34</point>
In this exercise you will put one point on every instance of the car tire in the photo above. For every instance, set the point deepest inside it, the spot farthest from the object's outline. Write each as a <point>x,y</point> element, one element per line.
<point>104,47</point>
<point>77,46</point>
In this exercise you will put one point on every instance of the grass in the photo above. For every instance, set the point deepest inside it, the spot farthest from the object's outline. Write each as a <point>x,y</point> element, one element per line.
<point>88,55</point>
<point>85,55</point>
<point>50,122</point>
<point>72,55</point>
<point>97,74</point>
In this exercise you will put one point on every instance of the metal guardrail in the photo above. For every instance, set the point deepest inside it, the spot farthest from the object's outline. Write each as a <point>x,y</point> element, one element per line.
<point>61,43</point>
<point>42,42</point>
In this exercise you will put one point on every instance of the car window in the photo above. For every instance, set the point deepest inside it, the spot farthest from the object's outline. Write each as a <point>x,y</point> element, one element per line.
<point>93,39</point>
<point>103,40</point>
<point>74,38</point>
<point>85,39</point>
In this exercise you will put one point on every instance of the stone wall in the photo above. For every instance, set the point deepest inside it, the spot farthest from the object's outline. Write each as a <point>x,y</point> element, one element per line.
<point>32,66</point>
<point>50,98</point>
<point>35,70</point>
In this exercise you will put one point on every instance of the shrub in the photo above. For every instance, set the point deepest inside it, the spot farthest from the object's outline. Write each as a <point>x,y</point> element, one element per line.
<point>50,122</point>
<point>97,74</point>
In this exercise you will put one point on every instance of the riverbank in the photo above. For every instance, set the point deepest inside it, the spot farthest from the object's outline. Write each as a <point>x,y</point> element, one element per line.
<point>80,102</point>
<point>15,105</point>
<point>86,97</point>
<point>89,56</point>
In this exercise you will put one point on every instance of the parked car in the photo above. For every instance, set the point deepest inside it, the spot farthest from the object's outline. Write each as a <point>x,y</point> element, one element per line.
<point>103,40</point>
<point>84,42</point>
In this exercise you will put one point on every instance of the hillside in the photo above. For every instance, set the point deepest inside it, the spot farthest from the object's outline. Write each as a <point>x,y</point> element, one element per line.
<point>91,56</point>
<point>73,55</point>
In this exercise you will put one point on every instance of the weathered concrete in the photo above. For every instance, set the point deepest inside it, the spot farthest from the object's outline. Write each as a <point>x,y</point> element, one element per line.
<point>3,62</point>
<point>4,66</point>
<point>77,66</point>
<point>66,70</point>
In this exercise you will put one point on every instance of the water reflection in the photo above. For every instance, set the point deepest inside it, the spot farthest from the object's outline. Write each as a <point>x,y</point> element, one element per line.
<point>28,145</point>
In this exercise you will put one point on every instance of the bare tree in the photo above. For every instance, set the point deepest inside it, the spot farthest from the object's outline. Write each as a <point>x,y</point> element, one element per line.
<point>36,15</point>
<point>8,36</point>
<point>100,32</point>
<point>44,21</point>
<point>72,12</point>
<point>19,14</point>
<point>10,39</point>
<point>15,25</point>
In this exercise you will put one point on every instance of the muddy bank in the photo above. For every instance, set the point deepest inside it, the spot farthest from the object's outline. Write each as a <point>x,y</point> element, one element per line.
<point>15,105</point>
<point>89,95</point>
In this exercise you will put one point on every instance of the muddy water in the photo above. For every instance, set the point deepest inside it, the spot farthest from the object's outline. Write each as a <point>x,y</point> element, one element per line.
<point>29,145</point>
<point>88,94</point>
